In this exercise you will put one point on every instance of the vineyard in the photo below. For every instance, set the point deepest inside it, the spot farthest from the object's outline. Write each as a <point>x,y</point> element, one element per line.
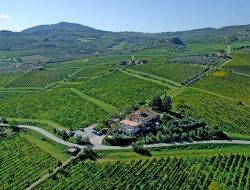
<point>33,59</point>
<point>216,111</point>
<point>39,78</point>
<point>22,163</point>
<point>96,61</point>
<point>5,78</point>
<point>228,84</point>
<point>11,95</point>
<point>198,59</point>
<point>119,89</point>
<point>61,106</point>
<point>240,62</point>
<point>196,173</point>
<point>7,65</point>
<point>93,71</point>
<point>174,71</point>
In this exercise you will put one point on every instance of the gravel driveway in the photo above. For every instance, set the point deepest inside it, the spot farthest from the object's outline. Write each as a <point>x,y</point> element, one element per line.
<point>96,140</point>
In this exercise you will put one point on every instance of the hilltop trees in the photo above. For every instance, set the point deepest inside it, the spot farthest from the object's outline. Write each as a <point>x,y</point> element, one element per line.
<point>164,104</point>
<point>4,120</point>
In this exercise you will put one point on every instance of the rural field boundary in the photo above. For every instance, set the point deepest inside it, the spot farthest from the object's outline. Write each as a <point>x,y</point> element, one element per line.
<point>46,176</point>
<point>103,147</point>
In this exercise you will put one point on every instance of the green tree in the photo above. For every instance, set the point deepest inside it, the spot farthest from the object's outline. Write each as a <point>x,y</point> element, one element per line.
<point>64,134</point>
<point>166,103</point>
<point>184,136</point>
<point>86,140</point>
<point>176,136</point>
<point>116,137</point>
<point>2,130</point>
<point>4,120</point>
<point>137,146</point>
<point>155,103</point>
<point>58,163</point>
<point>89,153</point>
<point>14,126</point>
<point>78,139</point>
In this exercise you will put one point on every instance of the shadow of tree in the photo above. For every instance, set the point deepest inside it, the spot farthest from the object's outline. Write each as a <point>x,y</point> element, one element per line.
<point>143,152</point>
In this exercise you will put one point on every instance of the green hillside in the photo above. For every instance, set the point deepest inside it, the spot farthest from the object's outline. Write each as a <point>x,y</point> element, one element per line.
<point>67,77</point>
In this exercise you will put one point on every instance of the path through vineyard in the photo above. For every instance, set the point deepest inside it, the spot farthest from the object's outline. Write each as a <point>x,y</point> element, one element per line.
<point>46,176</point>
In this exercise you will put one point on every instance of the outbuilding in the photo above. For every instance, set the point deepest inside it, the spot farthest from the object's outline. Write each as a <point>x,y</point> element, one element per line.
<point>72,151</point>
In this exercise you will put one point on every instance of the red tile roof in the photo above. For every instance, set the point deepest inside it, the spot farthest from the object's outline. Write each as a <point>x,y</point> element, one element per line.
<point>130,123</point>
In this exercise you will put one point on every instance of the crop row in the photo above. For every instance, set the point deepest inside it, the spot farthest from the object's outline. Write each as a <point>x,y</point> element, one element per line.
<point>168,173</point>
<point>240,62</point>
<point>174,71</point>
<point>93,71</point>
<point>121,89</point>
<point>39,78</point>
<point>22,163</point>
<point>11,95</point>
<point>61,106</point>
<point>203,60</point>
<point>216,111</point>
<point>5,78</point>
<point>228,84</point>
<point>96,61</point>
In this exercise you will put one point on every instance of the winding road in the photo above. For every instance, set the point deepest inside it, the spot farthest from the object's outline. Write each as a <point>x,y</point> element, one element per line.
<point>103,147</point>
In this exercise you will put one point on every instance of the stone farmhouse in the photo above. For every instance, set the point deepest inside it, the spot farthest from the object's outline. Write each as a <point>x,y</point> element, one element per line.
<point>133,121</point>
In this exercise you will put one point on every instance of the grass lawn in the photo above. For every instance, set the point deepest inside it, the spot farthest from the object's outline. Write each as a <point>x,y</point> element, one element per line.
<point>120,46</point>
<point>240,62</point>
<point>33,59</point>
<point>175,151</point>
<point>45,146</point>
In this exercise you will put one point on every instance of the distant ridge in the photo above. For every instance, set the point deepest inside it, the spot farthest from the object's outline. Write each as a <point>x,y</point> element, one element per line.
<point>59,26</point>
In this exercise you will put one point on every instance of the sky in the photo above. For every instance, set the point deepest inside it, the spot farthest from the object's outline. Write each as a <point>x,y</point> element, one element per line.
<point>125,15</point>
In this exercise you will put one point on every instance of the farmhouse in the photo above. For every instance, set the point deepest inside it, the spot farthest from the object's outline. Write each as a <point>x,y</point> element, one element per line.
<point>222,54</point>
<point>133,121</point>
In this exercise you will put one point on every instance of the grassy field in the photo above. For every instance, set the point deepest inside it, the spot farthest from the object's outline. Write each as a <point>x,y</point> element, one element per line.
<point>173,71</point>
<point>38,79</point>
<point>15,54</point>
<point>119,89</point>
<point>163,168</point>
<point>85,39</point>
<point>193,150</point>
<point>120,46</point>
<point>228,84</point>
<point>33,59</point>
<point>22,162</point>
<point>215,110</point>
<point>61,106</point>
<point>240,62</point>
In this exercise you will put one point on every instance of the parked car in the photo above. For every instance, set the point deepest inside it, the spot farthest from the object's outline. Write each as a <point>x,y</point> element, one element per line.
<point>81,129</point>
<point>99,133</point>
